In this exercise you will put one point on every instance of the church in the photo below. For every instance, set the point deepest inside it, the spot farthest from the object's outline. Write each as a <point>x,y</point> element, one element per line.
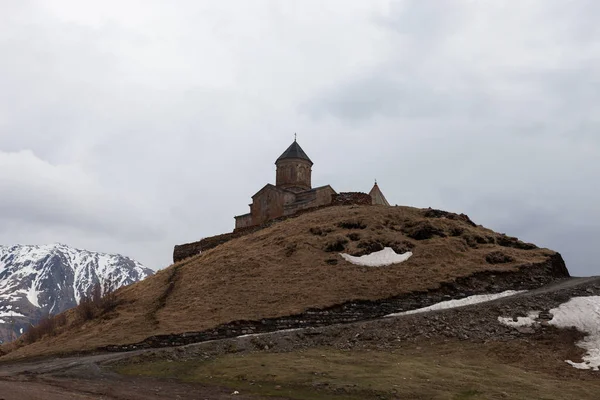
<point>292,191</point>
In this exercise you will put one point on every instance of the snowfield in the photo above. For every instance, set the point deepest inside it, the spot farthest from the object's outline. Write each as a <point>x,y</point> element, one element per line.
<point>582,313</point>
<point>27,271</point>
<point>381,258</point>
<point>476,299</point>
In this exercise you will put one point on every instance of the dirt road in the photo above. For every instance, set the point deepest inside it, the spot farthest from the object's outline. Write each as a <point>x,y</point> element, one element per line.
<point>82,377</point>
<point>86,380</point>
<point>126,389</point>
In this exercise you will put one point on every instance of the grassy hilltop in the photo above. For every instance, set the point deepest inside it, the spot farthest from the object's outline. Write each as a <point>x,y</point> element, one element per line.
<point>293,266</point>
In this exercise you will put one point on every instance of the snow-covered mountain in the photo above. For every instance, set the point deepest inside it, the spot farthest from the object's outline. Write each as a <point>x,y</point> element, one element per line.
<point>41,280</point>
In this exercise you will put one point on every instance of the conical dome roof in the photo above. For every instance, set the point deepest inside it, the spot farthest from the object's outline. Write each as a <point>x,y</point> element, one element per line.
<point>377,196</point>
<point>294,151</point>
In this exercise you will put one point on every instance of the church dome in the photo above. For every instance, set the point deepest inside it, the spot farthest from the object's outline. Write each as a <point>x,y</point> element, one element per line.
<point>294,151</point>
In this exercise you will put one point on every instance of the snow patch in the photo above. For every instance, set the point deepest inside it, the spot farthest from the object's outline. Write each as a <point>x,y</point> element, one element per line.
<point>529,320</point>
<point>10,314</point>
<point>478,298</point>
<point>381,258</point>
<point>32,296</point>
<point>582,313</point>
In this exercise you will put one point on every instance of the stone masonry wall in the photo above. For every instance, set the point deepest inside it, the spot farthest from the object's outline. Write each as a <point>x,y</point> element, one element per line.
<point>347,198</point>
<point>243,221</point>
<point>269,204</point>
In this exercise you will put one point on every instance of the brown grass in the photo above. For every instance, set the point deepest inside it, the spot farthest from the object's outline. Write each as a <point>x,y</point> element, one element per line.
<point>101,300</point>
<point>47,326</point>
<point>286,268</point>
<point>98,303</point>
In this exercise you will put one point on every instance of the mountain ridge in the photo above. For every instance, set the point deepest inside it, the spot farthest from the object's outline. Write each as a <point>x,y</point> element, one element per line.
<point>39,280</point>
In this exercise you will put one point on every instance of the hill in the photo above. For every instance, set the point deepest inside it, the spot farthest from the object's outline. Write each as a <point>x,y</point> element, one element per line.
<point>43,280</point>
<point>294,268</point>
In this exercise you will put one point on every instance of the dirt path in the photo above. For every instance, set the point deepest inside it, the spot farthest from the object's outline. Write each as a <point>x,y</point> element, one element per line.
<point>87,380</point>
<point>56,364</point>
<point>16,390</point>
<point>82,377</point>
<point>567,283</point>
<point>122,389</point>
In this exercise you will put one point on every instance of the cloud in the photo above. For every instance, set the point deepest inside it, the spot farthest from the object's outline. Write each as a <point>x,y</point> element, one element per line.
<point>132,126</point>
<point>491,117</point>
<point>35,192</point>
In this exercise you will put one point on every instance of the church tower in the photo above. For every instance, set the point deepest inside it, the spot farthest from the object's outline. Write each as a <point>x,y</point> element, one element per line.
<point>294,169</point>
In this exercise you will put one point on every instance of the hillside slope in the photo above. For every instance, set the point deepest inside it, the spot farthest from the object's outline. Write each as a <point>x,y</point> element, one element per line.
<point>295,265</point>
<point>49,279</point>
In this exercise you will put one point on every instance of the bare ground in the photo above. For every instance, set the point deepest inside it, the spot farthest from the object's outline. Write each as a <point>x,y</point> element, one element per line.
<point>84,377</point>
<point>129,388</point>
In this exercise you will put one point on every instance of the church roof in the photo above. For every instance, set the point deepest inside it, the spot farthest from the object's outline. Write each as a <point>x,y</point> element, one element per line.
<point>377,196</point>
<point>294,151</point>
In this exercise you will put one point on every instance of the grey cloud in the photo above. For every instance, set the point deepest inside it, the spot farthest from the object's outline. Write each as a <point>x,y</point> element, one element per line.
<point>381,94</point>
<point>150,126</point>
<point>425,21</point>
<point>515,145</point>
<point>35,192</point>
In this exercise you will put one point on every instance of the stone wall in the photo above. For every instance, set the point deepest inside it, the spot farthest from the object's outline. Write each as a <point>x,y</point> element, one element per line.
<point>294,173</point>
<point>269,203</point>
<point>243,221</point>
<point>183,251</point>
<point>348,198</point>
<point>310,200</point>
<point>525,278</point>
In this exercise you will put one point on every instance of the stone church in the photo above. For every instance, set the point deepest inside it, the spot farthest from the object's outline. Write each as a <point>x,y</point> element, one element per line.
<point>292,191</point>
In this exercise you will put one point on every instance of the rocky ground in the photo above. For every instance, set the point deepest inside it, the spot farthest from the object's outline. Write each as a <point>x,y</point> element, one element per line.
<point>542,349</point>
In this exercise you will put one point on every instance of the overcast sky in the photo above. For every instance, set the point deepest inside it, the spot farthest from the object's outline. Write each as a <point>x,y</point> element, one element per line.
<point>130,126</point>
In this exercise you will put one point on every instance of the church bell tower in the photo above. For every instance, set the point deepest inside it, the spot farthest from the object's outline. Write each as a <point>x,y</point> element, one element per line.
<point>294,169</point>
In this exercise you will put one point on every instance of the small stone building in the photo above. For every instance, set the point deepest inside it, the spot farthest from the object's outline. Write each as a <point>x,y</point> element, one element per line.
<point>292,191</point>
